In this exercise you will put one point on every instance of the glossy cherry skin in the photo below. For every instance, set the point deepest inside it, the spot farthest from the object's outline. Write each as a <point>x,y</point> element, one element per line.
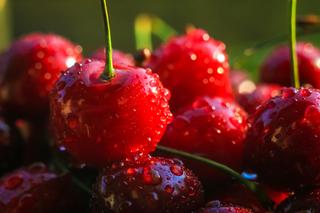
<point>117,56</point>
<point>151,185</point>
<point>35,189</point>
<point>100,121</point>
<point>277,66</point>
<point>262,93</point>
<point>192,65</point>
<point>282,142</point>
<point>304,200</point>
<point>219,207</point>
<point>31,67</point>
<point>211,127</point>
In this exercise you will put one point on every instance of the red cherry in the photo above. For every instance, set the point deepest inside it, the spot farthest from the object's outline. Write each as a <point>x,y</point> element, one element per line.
<point>277,66</point>
<point>219,207</point>
<point>304,200</point>
<point>282,143</point>
<point>99,121</point>
<point>210,127</point>
<point>262,93</point>
<point>35,189</point>
<point>117,56</point>
<point>192,65</point>
<point>31,66</point>
<point>149,185</point>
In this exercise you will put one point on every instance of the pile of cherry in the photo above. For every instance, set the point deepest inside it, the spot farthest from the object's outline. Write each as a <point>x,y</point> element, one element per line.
<point>112,125</point>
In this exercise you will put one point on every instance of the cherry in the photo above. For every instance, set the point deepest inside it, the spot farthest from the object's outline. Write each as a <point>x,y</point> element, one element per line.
<point>211,127</point>
<point>277,66</point>
<point>262,93</point>
<point>192,65</point>
<point>219,207</point>
<point>147,185</point>
<point>282,142</point>
<point>304,200</point>
<point>99,121</point>
<point>241,82</point>
<point>35,189</point>
<point>30,67</point>
<point>117,56</point>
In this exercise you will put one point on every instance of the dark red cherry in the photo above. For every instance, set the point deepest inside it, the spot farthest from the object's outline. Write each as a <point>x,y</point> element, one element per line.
<point>211,127</point>
<point>250,100</point>
<point>98,121</point>
<point>149,185</point>
<point>282,144</point>
<point>35,189</point>
<point>192,65</point>
<point>277,66</point>
<point>219,207</point>
<point>117,56</point>
<point>31,66</point>
<point>304,200</point>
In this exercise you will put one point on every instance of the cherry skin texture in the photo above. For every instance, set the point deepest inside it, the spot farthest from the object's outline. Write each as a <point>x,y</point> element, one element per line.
<point>282,142</point>
<point>211,127</point>
<point>277,66</point>
<point>262,93</point>
<point>31,67</point>
<point>100,121</point>
<point>305,200</point>
<point>192,65</point>
<point>117,56</point>
<point>218,207</point>
<point>152,185</point>
<point>35,189</point>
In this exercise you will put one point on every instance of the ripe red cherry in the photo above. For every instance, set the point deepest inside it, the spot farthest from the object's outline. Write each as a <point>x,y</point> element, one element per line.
<point>219,207</point>
<point>150,185</point>
<point>282,143</point>
<point>99,121</point>
<point>304,200</point>
<point>277,67</point>
<point>31,66</point>
<point>192,65</point>
<point>117,56</point>
<point>210,127</point>
<point>262,93</point>
<point>35,189</point>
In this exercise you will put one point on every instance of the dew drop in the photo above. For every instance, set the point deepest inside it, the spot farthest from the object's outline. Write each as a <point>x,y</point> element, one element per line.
<point>305,92</point>
<point>151,176</point>
<point>176,170</point>
<point>169,189</point>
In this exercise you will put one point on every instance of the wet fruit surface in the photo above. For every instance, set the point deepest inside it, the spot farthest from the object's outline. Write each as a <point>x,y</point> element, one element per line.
<point>35,189</point>
<point>192,65</point>
<point>219,207</point>
<point>117,56</point>
<point>211,127</point>
<point>277,67</point>
<point>30,67</point>
<point>305,200</point>
<point>100,121</point>
<point>262,93</point>
<point>282,143</point>
<point>151,185</point>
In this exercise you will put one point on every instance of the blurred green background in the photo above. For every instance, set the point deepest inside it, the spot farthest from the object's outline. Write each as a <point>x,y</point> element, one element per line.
<point>239,24</point>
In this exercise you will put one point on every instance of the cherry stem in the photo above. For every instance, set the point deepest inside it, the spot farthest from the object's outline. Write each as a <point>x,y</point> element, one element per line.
<point>108,72</point>
<point>143,32</point>
<point>146,25</point>
<point>293,43</point>
<point>60,166</point>
<point>252,186</point>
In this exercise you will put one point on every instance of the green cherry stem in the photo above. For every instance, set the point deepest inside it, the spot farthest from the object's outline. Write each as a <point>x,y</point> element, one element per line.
<point>162,29</point>
<point>293,43</point>
<point>108,72</point>
<point>252,186</point>
<point>143,32</point>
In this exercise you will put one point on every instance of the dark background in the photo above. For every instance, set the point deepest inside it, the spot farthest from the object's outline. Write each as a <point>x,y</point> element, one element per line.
<point>239,23</point>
